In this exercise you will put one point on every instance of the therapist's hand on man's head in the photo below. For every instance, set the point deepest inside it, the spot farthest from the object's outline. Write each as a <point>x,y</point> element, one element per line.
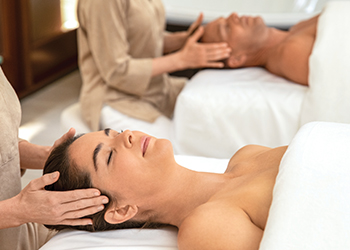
<point>35,204</point>
<point>195,25</point>
<point>202,55</point>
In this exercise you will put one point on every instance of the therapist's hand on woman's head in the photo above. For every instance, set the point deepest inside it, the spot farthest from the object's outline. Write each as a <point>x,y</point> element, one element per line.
<point>53,208</point>
<point>203,55</point>
<point>66,136</point>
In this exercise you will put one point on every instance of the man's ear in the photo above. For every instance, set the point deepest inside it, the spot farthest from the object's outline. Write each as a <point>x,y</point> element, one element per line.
<point>117,215</point>
<point>236,61</point>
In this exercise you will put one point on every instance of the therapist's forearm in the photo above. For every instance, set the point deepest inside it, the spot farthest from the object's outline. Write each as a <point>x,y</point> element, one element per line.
<point>32,156</point>
<point>9,214</point>
<point>167,64</point>
<point>174,41</point>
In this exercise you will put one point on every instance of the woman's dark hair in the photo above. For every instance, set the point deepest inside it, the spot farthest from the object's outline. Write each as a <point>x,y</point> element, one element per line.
<point>72,178</point>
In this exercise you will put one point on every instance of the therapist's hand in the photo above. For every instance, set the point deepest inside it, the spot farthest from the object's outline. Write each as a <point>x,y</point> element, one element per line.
<point>35,204</point>
<point>63,138</point>
<point>202,55</point>
<point>195,25</point>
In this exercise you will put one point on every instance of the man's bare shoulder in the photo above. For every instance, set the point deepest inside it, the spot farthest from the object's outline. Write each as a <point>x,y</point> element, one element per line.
<point>293,61</point>
<point>218,226</point>
<point>307,27</point>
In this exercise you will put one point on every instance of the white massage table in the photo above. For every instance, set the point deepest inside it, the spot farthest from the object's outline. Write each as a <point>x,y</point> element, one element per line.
<point>219,111</point>
<point>309,211</point>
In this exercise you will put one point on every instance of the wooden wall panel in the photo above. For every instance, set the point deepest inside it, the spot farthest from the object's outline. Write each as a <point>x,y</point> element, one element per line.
<point>35,50</point>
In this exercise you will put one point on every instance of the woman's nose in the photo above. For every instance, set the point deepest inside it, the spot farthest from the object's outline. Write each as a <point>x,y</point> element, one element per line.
<point>128,138</point>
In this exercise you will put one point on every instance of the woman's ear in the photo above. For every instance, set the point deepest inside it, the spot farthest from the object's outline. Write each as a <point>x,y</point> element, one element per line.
<point>117,215</point>
<point>236,61</point>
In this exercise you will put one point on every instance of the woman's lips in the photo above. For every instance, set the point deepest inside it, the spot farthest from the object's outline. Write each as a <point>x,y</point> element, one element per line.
<point>144,145</point>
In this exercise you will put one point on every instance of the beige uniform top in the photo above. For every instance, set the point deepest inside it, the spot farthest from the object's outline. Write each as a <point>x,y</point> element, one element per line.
<point>117,40</point>
<point>30,236</point>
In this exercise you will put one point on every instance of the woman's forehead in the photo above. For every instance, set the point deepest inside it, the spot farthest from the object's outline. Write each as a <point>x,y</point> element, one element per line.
<point>82,147</point>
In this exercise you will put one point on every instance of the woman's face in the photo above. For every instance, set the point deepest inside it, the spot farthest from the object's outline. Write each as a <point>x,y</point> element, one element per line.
<point>241,33</point>
<point>128,165</point>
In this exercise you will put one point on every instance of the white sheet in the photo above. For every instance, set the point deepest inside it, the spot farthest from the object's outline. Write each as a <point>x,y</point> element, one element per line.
<point>219,111</point>
<point>133,239</point>
<point>328,98</point>
<point>311,200</point>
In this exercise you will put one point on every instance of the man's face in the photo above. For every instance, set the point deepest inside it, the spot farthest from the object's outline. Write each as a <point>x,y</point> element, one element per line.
<point>243,34</point>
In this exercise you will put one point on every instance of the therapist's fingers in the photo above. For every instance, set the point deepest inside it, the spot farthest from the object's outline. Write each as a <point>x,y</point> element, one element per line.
<point>195,25</point>
<point>74,213</point>
<point>202,55</point>
<point>80,199</point>
<point>215,65</point>
<point>65,196</point>
<point>78,194</point>
<point>76,222</point>
<point>214,54</point>
<point>69,200</point>
<point>197,34</point>
<point>66,136</point>
<point>42,181</point>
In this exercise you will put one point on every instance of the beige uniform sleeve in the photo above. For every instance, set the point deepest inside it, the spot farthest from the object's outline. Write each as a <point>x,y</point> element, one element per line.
<point>105,25</point>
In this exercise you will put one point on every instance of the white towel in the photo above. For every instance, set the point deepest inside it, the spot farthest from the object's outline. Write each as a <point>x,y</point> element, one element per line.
<point>328,97</point>
<point>311,200</point>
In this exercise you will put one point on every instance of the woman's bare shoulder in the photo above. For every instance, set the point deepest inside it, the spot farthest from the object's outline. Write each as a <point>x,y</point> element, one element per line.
<point>247,152</point>
<point>218,226</point>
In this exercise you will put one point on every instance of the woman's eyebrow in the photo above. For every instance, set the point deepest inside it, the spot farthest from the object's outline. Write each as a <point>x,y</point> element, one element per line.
<point>107,131</point>
<point>94,156</point>
<point>98,149</point>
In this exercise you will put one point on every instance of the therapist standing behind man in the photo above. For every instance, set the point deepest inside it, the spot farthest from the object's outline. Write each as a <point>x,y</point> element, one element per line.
<point>124,57</point>
<point>22,212</point>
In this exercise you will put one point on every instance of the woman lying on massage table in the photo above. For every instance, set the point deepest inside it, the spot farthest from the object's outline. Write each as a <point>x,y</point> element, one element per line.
<point>148,188</point>
<point>284,53</point>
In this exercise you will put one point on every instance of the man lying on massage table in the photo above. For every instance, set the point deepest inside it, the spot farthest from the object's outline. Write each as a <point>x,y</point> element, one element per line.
<point>284,53</point>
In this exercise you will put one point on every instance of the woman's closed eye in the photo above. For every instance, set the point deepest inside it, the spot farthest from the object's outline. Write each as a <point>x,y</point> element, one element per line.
<point>109,157</point>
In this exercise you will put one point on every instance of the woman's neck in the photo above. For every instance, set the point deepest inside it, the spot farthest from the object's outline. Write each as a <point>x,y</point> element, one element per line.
<point>186,191</point>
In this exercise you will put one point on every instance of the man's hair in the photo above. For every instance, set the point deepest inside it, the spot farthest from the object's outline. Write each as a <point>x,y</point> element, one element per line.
<point>72,178</point>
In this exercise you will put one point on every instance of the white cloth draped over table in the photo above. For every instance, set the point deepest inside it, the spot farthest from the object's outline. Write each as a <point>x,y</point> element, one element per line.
<point>328,97</point>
